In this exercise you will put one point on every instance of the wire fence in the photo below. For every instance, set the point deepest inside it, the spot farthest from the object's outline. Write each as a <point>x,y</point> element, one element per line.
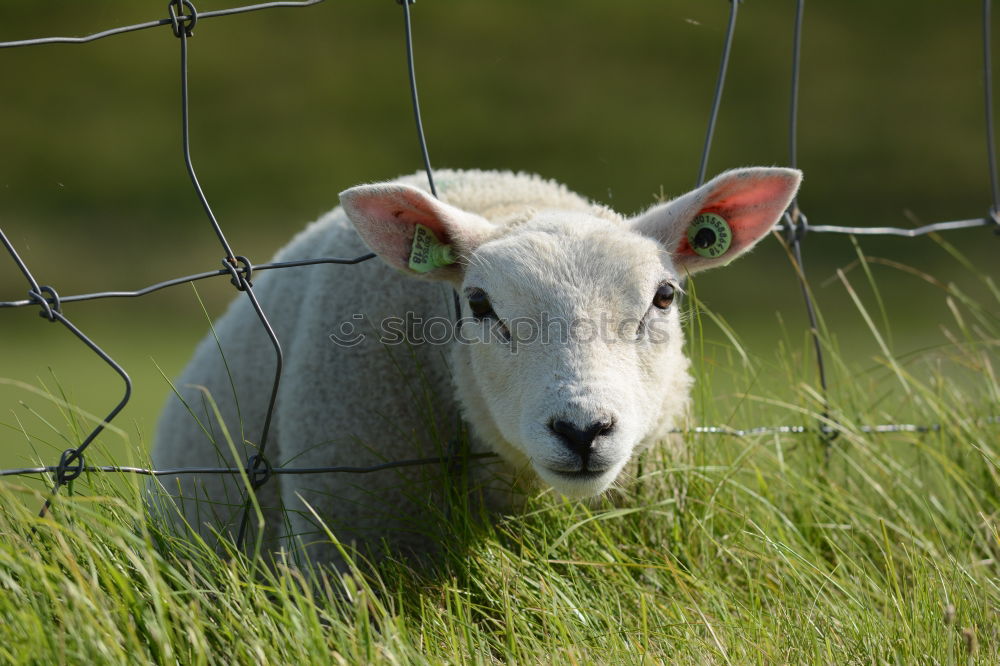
<point>183,16</point>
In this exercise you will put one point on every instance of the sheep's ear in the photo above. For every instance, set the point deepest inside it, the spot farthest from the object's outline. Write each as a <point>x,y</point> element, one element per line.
<point>389,217</point>
<point>722,219</point>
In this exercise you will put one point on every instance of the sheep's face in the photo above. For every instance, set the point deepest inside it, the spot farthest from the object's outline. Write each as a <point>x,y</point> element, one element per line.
<point>572,346</point>
<point>570,353</point>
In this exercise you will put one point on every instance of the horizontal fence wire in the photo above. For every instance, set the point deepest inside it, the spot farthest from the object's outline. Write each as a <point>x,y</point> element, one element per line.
<point>884,428</point>
<point>171,21</point>
<point>818,228</point>
<point>144,471</point>
<point>895,231</point>
<point>182,18</point>
<point>191,278</point>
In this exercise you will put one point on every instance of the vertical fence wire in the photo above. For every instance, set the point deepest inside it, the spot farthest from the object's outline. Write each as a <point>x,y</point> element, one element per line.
<point>793,111</point>
<point>798,225</point>
<point>421,138</point>
<point>720,82</point>
<point>991,151</point>
<point>258,469</point>
<point>415,99</point>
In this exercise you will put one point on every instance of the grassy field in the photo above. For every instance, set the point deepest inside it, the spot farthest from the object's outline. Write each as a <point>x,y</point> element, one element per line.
<point>872,548</point>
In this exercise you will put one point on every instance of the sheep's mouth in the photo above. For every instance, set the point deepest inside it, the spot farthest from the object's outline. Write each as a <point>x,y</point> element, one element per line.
<point>579,475</point>
<point>580,483</point>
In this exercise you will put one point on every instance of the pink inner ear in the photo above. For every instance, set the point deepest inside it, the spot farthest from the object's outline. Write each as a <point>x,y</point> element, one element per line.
<point>386,215</point>
<point>406,207</point>
<point>750,206</point>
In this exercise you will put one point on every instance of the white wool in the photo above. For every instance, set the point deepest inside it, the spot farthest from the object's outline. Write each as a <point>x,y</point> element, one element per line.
<point>533,247</point>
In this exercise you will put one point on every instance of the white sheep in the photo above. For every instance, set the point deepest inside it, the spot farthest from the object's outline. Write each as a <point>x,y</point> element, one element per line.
<point>568,361</point>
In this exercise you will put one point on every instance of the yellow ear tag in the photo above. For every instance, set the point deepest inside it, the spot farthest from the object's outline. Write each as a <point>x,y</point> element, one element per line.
<point>428,252</point>
<point>710,235</point>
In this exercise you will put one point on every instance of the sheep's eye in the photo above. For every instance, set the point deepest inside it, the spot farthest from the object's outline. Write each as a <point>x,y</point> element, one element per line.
<point>664,296</point>
<point>480,304</point>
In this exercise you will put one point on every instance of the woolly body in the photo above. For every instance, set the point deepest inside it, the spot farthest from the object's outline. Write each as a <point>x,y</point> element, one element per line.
<point>537,249</point>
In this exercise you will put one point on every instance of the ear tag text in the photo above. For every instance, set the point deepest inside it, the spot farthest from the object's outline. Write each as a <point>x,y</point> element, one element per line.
<point>428,252</point>
<point>710,235</point>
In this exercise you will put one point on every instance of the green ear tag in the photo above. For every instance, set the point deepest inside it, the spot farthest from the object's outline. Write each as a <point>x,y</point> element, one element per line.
<point>428,252</point>
<point>710,235</point>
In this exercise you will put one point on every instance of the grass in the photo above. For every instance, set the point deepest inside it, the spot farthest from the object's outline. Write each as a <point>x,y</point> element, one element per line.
<point>872,548</point>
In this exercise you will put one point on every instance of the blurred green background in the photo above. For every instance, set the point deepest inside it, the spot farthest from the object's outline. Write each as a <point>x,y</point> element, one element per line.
<point>290,106</point>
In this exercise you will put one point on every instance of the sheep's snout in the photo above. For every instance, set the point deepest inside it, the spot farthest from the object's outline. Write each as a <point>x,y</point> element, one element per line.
<point>580,441</point>
<point>580,454</point>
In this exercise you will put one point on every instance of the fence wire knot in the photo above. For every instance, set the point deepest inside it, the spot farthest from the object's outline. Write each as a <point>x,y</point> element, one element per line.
<point>995,217</point>
<point>50,302</point>
<point>178,20</point>
<point>797,224</point>
<point>239,275</point>
<point>827,435</point>
<point>258,470</point>
<point>70,466</point>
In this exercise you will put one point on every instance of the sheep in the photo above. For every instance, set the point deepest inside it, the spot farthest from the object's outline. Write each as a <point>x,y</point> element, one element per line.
<point>567,359</point>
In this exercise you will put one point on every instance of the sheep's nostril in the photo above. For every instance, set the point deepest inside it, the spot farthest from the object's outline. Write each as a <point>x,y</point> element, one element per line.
<point>580,440</point>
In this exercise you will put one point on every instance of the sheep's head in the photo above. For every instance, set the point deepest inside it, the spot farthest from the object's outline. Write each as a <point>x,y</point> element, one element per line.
<point>569,357</point>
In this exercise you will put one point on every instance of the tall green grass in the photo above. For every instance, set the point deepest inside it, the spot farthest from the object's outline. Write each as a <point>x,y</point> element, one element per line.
<point>870,548</point>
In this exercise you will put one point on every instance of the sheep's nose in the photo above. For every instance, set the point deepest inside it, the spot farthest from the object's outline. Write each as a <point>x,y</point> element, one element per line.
<point>580,440</point>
